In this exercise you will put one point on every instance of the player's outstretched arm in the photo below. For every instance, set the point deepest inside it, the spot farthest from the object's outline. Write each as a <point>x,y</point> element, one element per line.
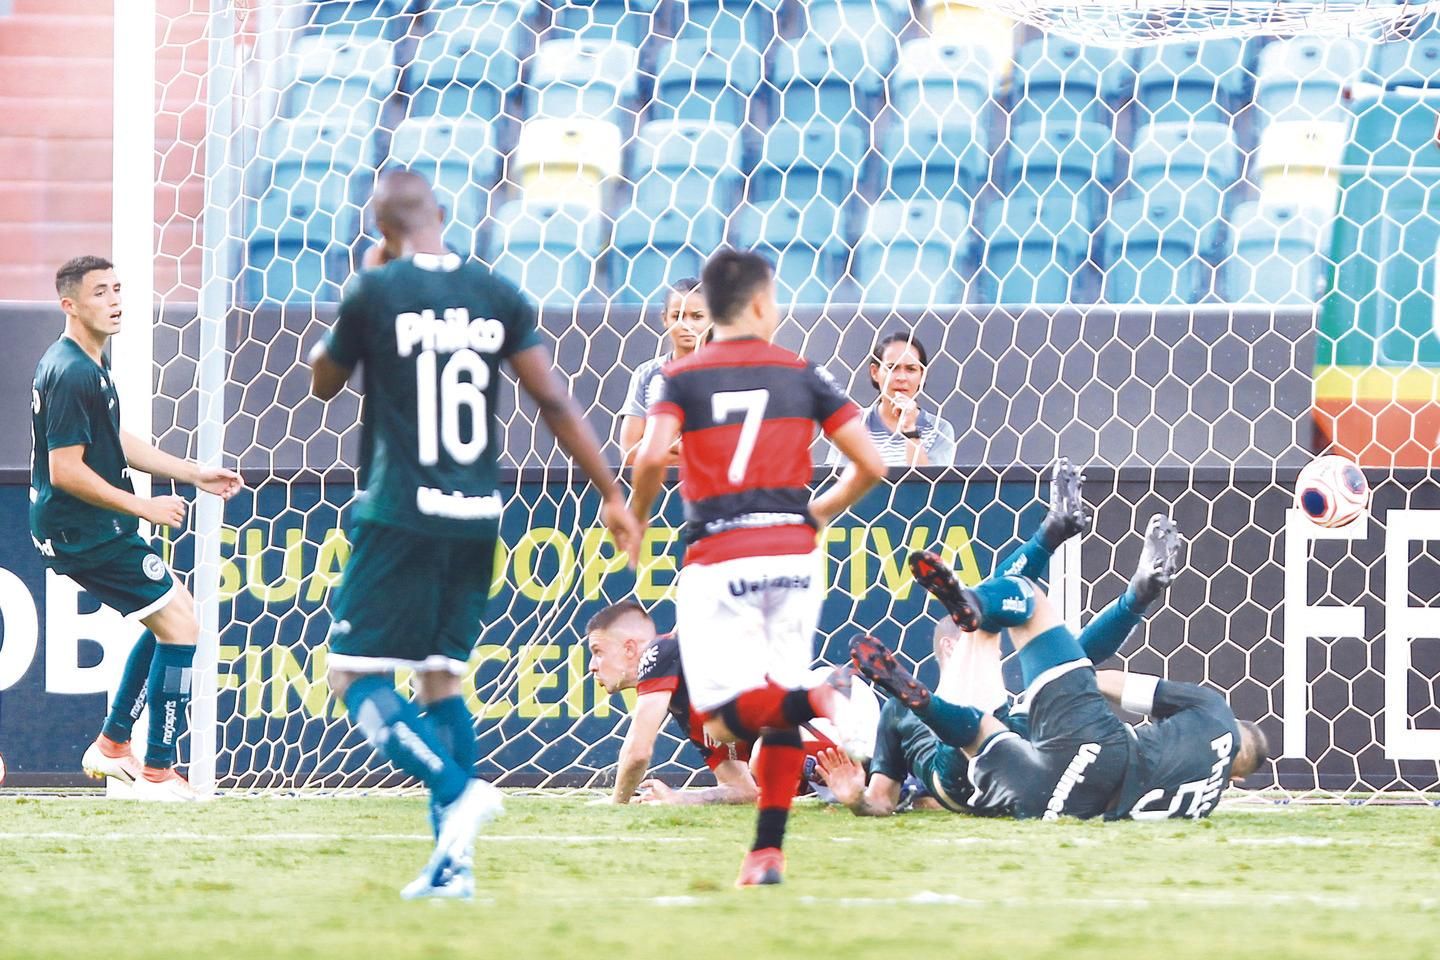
<point>651,459</point>
<point>536,374</point>
<point>733,785</point>
<point>646,719</point>
<point>846,779</point>
<point>866,468</point>
<point>69,472</point>
<point>148,458</point>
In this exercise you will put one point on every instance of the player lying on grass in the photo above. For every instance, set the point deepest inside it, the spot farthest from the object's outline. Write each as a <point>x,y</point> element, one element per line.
<point>626,654</point>
<point>431,331</point>
<point>1079,760</point>
<point>970,670</point>
<point>83,520</point>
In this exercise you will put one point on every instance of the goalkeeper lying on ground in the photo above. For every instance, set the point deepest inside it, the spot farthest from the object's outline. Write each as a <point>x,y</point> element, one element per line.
<point>970,670</point>
<point>1078,759</point>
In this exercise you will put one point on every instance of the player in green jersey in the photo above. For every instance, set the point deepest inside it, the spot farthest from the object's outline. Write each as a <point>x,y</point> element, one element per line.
<point>431,330</point>
<point>84,520</point>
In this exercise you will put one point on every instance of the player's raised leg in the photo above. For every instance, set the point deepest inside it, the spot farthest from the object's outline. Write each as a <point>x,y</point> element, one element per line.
<point>1066,518</point>
<point>1160,560</point>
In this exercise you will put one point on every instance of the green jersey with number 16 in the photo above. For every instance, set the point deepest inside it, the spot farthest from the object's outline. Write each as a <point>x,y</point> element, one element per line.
<point>430,332</point>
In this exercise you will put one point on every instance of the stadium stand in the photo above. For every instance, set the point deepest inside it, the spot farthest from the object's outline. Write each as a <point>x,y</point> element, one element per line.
<point>650,251</point>
<point>910,252</point>
<point>1275,257</point>
<point>469,61</point>
<point>548,249</point>
<point>1036,248</point>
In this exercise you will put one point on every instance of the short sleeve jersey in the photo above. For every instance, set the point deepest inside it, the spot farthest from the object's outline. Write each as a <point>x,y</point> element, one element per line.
<point>430,333</point>
<point>937,436</point>
<point>660,672</point>
<point>73,402</point>
<point>645,386</point>
<point>748,412</point>
<point>1182,760</point>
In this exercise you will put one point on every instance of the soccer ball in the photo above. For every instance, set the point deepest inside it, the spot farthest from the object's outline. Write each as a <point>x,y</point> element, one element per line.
<point>853,731</point>
<point>1332,491</point>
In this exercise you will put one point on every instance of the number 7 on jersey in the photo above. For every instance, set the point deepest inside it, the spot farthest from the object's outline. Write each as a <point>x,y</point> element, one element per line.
<point>752,403</point>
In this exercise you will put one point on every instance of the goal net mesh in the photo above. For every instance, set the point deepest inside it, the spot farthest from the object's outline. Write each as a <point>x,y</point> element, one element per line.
<point>1175,263</point>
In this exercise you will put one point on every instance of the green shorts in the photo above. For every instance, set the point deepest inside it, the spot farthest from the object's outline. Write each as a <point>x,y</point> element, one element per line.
<point>409,601</point>
<point>130,578</point>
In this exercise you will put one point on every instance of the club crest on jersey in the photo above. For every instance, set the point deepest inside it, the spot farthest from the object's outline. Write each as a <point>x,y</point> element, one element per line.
<point>738,588</point>
<point>647,660</point>
<point>451,331</point>
<point>154,567</point>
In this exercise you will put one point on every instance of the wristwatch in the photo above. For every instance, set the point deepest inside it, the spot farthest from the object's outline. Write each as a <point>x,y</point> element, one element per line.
<point>910,434</point>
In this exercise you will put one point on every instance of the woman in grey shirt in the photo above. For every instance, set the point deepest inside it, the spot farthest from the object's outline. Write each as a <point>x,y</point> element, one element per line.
<point>687,322</point>
<point>906,435</point>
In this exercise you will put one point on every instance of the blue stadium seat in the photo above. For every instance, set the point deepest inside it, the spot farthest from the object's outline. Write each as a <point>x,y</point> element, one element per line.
<point>469,61</point>
<point>874,24</point>
<point>1062,82</point>
<point>301,260</point>
<point>818,78</point>
<point>697,81</point>
<point>1191,80</point>
<point>1276,255</point>
<point>340,77</point>
<point>1154,253</point>
<point>1301,78</point>
<point>458,157</point>
<point>546,249</point>
<point>1035,249</point>
<point>807,247</point>
<point>629,21</point>
<point>942,79</point>
<point>927,158</point>
<point>358,19</point>
<point>593,79</point>
<point>726,25</point>
<point>800,163</point>
<point>1407,63</point>
<point>689,165</point>
<point>911,252</point>
<point>1078,163</point>
<point>1199,159</point>
<point>649,251</point>
<point>310,165</point>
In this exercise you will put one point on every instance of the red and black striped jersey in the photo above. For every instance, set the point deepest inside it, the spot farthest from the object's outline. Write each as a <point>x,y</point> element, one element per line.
<point>660,672</point>
<point>748,412</point>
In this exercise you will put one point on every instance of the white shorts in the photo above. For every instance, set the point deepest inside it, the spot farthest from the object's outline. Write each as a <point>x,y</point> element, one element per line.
<point>747,621</point>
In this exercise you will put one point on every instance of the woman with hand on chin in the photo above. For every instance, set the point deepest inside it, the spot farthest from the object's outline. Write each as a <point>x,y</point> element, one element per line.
<point>906,435</point>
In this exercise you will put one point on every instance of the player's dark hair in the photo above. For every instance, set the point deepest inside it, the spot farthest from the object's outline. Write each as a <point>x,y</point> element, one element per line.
<point>614,613</point>
<point>1259,744</point>
<point>877,356</point>
<point>68,277</point>
<point>731,278</point>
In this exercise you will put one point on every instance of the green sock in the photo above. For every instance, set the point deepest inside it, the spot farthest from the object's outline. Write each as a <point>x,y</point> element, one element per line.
<point>955,724</point>
<point>1107,631</point>
<point>1004,602</point>
<point>1031,559</point>
<point>394,726</point>
<point>456,730</point>
<point>169,685</point>
<point>130,695</point>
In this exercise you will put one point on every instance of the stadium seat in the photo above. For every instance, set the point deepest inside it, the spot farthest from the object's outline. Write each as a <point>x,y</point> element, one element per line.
<point>807,247</point>
<point>1191,80</point>
<point>310,165</point>
<point>815,78</point>
<point>962,20</point>
<point>1276,256</point>
<point>1199,159</point>
<point>566,161</point>
<point>951,81</point>
<point>590,79</point>
<point>874,24</point>
<point>1407,63</point>
<point>911,252</point>
<point>697,81</point>
<point>1035,248</point>
<point>1154,252</point>
<point>339,77</point>
<point>628,21</point>
<point>1063,82</point>
<point>459,159</point>
<point>469,61</point>
<point>689,165</point>
<point>304,261</point>
<point>1299,162</point>
<point>726,25</point>
<point>547,249</point>
<point>650,251</point>
<point>927,158</point>
<point>800,163</point>
<point>357,19</point>
<point>1078,163</point>
<point>1301,78</point>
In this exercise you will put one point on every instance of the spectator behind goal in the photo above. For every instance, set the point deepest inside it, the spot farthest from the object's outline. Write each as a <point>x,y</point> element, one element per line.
<point>687,324</point>
<point>906,435</point>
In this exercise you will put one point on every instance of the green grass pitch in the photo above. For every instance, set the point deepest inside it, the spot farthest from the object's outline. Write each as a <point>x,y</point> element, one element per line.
<point>564,877</point>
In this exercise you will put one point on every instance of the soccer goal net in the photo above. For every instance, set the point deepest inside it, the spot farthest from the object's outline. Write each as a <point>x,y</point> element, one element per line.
<point>1189,265</point>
